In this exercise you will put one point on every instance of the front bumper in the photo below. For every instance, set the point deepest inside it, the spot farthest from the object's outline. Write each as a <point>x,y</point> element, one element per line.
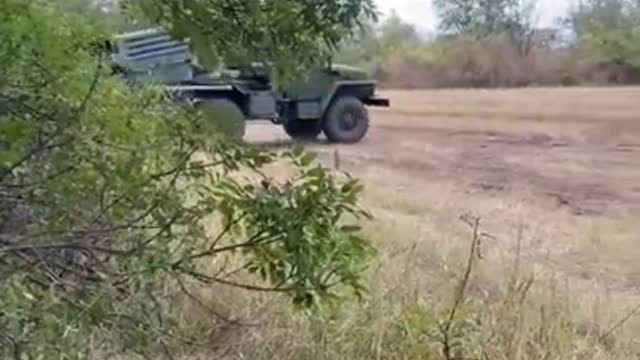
<point>377,101</point>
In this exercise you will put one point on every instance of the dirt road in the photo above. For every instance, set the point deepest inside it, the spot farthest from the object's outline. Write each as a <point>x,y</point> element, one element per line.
<point>587,166</point>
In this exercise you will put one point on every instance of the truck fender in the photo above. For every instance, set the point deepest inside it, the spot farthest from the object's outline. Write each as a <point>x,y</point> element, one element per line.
<point>361,89</point>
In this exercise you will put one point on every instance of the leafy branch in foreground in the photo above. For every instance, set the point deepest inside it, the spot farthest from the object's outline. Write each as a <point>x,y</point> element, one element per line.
<point>291,34</point>
<point>109,198</point>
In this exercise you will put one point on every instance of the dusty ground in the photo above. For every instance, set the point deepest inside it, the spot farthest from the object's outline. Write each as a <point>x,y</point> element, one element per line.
<point>559,168</point>
<point>555,176</point>
<point>575,149</point>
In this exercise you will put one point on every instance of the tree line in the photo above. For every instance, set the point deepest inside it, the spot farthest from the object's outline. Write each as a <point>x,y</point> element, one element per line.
<point>488,43</point>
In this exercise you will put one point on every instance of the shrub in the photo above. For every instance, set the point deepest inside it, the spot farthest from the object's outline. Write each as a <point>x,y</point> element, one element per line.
<point>108,194</point>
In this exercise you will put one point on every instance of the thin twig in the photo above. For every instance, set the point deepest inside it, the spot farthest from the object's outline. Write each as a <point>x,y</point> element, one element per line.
<point>620,323</point>
<point>60,246</point>
<point>226,230</point>
<point>92,88</point>
<point>209,279</point>
<point>447,346</point>
<point>204,306</point>
<point>16,351</point>
<point>250,243</point>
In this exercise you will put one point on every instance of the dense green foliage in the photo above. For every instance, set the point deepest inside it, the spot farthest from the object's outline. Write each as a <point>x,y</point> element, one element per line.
<point>115,202</point>
<point>484,17</point>
<point>609,30</point>
<point>290,33</point>
<point>489,43</point>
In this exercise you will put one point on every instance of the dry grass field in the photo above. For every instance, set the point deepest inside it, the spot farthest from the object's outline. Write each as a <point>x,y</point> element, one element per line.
<point>554,177</point>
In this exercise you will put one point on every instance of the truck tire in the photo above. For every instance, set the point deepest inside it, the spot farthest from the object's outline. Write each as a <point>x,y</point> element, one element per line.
<point>224,117</point>
<point>303,129</point>
<point>346,121</point>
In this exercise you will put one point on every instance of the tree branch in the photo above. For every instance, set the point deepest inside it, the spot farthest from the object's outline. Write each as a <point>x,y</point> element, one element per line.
<point>59,246</point>
<point>209,279</point>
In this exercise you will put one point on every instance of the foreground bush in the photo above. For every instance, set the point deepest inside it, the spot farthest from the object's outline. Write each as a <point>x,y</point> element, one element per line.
<point>109,196</point>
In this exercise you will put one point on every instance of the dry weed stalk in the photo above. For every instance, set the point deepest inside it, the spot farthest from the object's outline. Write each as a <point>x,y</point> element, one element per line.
<point>447,332</point>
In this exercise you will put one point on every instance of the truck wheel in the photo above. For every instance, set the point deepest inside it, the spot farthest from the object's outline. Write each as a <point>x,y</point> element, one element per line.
<point>346,121</point>
<point>303,129</point>
<point>224,117</point>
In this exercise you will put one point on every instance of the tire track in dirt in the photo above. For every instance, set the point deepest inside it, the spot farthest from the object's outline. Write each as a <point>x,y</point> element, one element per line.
<point>586,175</point>
<point>587,178</point>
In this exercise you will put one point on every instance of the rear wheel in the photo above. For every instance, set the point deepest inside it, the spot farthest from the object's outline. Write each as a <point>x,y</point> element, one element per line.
<point>346,121</point>
<point>303,129</point>
<point>224,117</point>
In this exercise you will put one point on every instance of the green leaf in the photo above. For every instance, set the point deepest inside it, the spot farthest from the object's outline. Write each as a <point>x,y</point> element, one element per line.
<point>307,159</point>
<point>350,228</point>
<point>9,157</point>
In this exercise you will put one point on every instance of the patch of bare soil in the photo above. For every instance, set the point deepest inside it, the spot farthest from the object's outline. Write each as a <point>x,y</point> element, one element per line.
<point>592,172</point>
<point>569,186</point>
<point>573,185</point>
<point>586,176</point>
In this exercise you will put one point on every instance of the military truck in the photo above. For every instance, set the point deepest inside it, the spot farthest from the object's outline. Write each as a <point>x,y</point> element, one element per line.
<point>331,99</point>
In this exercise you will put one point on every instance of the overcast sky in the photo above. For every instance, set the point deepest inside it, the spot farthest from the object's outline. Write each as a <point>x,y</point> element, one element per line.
<point>421,14</point>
